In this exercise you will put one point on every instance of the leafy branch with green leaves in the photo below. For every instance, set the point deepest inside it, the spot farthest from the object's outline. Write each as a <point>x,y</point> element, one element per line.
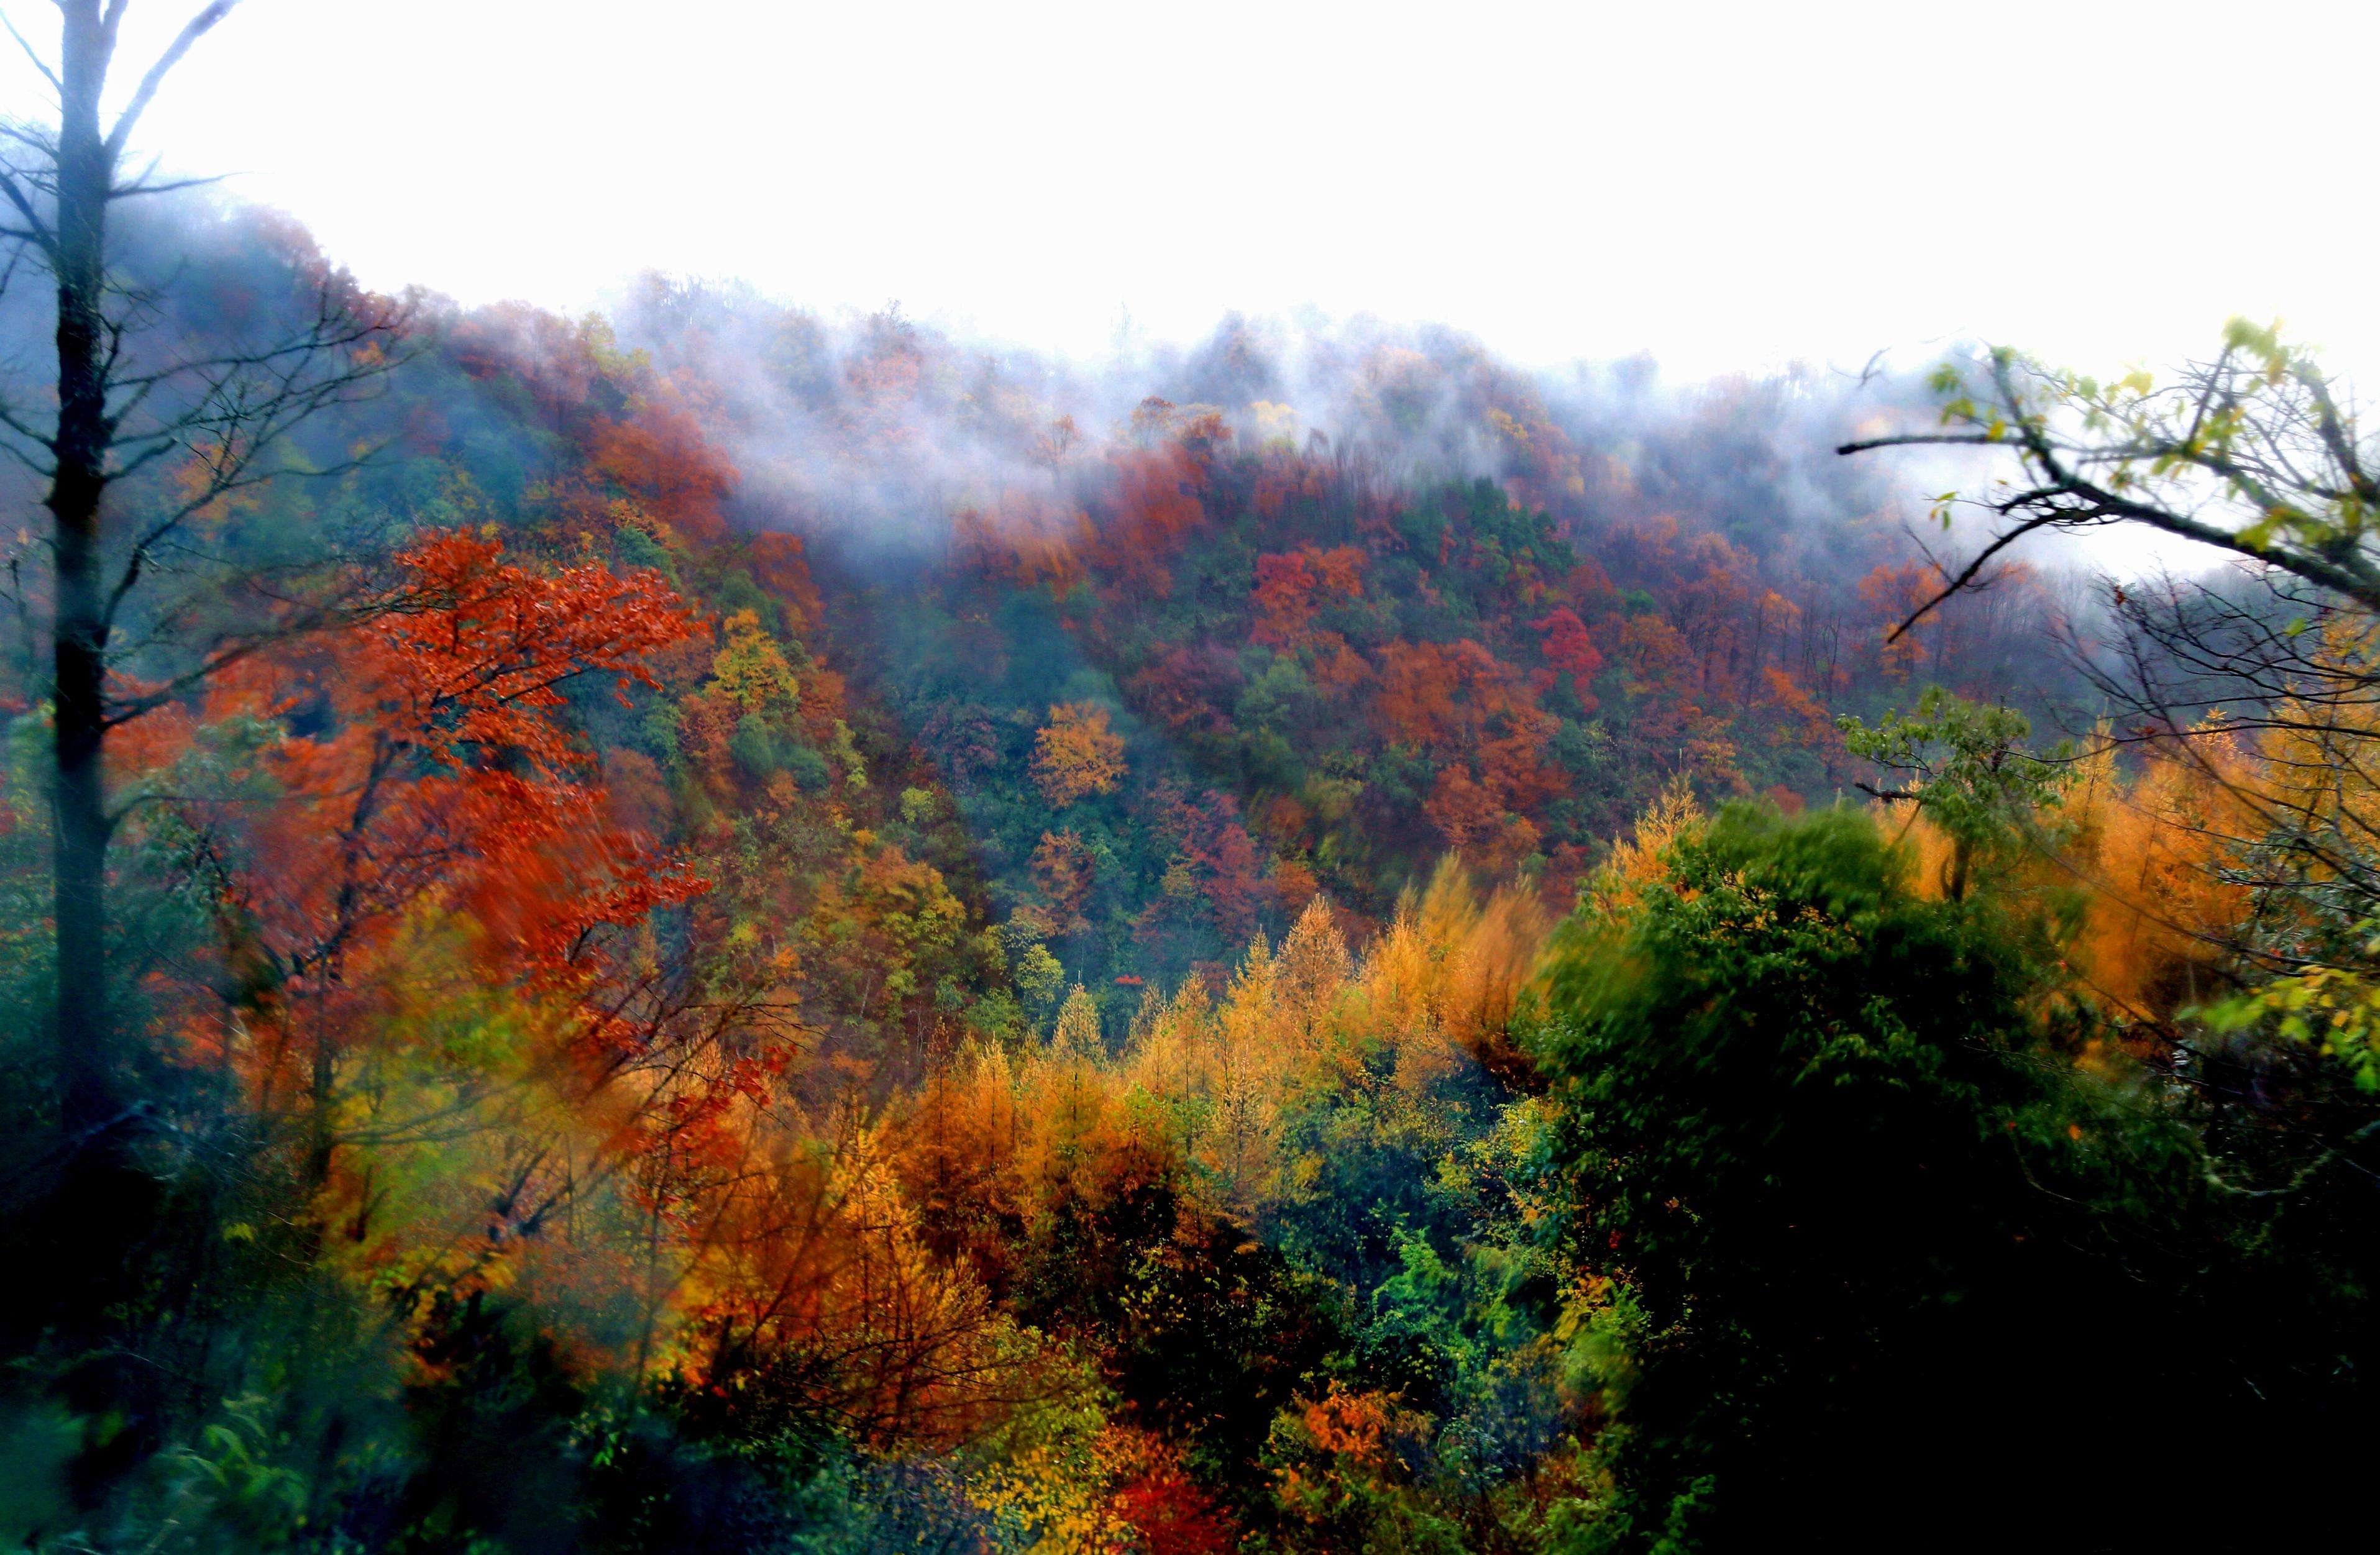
<point>2256,453</point>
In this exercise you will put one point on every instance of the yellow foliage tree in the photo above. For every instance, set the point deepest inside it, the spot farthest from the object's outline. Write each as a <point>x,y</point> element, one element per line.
<point>1077,1032</point>
<point>1077,755</point>
<point>751,669</point>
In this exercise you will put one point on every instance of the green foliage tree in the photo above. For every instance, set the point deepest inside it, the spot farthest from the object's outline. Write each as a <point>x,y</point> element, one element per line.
<point>1966,768</point>
<point>1816,1130</point>
<point>1039,978</point>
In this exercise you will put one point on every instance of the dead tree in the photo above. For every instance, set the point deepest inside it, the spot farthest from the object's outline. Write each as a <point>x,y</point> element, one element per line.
<point>128,398</point>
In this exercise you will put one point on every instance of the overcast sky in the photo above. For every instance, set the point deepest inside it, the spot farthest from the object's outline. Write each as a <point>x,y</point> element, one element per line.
<point>1729,187</point>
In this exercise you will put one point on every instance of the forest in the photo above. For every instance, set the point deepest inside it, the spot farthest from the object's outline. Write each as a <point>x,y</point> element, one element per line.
<point>714,928</point>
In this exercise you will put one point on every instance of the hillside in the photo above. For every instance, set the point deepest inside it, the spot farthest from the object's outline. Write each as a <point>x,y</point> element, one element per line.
<point>736,932</point>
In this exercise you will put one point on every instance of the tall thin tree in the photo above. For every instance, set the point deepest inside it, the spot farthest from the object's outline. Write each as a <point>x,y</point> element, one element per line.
<point>125,399</point>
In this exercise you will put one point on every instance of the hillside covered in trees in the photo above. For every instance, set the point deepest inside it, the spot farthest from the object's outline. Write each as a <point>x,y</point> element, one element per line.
<point>715,930</point>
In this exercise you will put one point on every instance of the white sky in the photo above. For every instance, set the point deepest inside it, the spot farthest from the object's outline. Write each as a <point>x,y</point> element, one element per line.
<point>1727,185</point>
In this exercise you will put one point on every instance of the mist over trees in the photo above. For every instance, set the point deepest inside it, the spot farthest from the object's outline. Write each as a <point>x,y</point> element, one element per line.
<point>715,928</point>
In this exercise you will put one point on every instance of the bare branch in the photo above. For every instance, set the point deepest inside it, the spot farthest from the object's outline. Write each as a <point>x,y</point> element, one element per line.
<point>1967,575</point>
<point>31,53</point>
<point>171,186</point>
<point>35,228</point>
<point>192,30</point>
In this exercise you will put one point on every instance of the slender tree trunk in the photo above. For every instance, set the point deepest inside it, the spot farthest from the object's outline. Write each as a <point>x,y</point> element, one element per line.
<point>83,1034</point>
<point>319,1094</point>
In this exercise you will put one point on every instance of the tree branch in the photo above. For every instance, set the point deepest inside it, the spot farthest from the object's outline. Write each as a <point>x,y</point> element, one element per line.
<point>192,30</point>
<point>31,53</point>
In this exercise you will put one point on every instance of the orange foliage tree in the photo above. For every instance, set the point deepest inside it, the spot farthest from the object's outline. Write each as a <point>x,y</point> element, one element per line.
<point>442,782</point>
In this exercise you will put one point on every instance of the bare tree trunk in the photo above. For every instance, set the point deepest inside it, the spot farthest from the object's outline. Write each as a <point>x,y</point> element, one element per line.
<point>83,1035</point>
<point>321,1092</point>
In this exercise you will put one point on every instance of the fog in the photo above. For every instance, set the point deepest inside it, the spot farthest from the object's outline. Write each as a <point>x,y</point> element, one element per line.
<point>1733,188</point>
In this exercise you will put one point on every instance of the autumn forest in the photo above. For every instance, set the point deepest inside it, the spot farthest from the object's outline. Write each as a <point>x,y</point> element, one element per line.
<point>711,927</point>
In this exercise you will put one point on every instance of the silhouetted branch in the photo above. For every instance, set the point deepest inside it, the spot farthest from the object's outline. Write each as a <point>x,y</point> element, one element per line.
<point>192,30</point>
